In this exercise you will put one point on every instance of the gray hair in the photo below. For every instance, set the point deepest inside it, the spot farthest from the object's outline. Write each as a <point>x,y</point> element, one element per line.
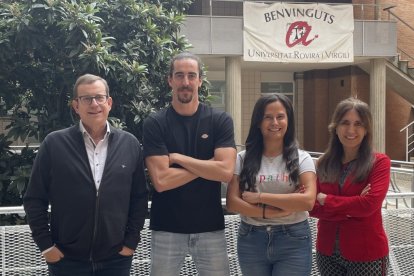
<point>88,79</point>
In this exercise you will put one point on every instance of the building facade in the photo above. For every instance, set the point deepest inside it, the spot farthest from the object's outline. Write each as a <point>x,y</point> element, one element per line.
<point>215,29</point>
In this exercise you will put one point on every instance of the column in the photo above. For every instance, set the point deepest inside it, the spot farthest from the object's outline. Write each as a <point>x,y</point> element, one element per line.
<point>233,94</point>
<point>299,101</point>
<point>377,102</point>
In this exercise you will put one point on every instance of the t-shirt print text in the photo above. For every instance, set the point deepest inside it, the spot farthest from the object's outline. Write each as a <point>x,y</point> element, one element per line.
<point>273,177</point>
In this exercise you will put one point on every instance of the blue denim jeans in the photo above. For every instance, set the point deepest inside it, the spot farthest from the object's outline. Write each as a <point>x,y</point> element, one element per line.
<point>208,251</point>
<point>117,265</point>
<point>276,250</point>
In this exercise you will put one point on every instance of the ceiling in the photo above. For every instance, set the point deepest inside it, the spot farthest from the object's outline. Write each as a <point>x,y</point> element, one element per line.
<point>217,63</point>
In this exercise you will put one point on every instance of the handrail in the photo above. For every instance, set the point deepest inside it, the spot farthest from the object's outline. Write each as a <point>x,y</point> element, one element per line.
<point>403,163</point>
<point>407,126</point>
<point>388,9</point>
<point>408,145</point>
<point>11,210</point>
<point>408,55</point>
<point>400,195</point>
<point>362,7</point>
<point>315,154</point>
<point>19,210</point>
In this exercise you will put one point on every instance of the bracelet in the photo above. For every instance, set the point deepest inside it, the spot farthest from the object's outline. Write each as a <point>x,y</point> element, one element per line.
<point>264,209</point>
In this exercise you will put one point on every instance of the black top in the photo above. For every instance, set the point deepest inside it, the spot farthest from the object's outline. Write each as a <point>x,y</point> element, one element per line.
<point>196,206</point>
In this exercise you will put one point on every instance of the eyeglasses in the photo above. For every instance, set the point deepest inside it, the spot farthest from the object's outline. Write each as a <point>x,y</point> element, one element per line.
<point>87,100</point>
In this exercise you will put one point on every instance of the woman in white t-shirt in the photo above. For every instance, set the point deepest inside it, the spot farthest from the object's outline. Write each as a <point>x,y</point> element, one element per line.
<point>273,187</point>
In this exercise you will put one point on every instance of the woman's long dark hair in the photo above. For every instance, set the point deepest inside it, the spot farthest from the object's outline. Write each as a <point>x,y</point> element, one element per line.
<point>255,147</point>
<point>330,164</point>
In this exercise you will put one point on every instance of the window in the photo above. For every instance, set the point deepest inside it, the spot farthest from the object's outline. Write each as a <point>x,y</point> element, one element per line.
<point>218,94</point>
<point>285,88</point>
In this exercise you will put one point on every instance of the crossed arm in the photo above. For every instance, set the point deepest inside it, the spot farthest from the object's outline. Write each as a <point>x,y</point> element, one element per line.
<point>236,204</point>
<point>164,177</point>
<point>293,202</point>
<point>359,204</point>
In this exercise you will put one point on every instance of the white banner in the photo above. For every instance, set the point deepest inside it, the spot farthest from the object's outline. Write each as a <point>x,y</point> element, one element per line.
<point>286,32</point>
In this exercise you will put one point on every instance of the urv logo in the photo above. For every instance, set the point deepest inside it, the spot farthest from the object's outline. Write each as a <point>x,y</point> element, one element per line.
<point>298,32</point>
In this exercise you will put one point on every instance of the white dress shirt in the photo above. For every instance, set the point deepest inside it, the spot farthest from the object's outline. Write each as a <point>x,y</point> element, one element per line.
<point>96,153</point>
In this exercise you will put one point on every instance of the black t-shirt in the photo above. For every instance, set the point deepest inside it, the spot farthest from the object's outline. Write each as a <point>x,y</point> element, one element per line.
<point>196,206</point>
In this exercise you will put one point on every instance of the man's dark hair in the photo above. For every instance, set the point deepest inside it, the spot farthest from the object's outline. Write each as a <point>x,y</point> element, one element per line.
<point>186,55</point>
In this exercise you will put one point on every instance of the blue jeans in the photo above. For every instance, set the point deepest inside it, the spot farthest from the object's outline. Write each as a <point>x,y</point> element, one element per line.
<point>276,250</point>
<point>117,265</point>
<point>208,251</point>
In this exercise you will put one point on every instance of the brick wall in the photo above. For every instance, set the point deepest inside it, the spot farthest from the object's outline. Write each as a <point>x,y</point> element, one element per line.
<point>399,114</point>
<point>404,9</point>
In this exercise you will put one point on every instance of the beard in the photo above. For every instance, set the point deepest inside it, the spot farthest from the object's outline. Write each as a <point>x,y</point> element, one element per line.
<point>185,95</point>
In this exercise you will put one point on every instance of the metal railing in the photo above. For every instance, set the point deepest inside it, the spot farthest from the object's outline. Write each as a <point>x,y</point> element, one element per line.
<point>391,13</point>
<point>234,8</point>
<point>19,210</point>
<point>397,218</point>
<point>409,139</point>
<point>20,256</point>
<point>403,54</point>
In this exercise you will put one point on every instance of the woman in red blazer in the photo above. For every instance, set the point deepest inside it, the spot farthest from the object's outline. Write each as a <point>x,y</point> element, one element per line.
<point>352,184</point>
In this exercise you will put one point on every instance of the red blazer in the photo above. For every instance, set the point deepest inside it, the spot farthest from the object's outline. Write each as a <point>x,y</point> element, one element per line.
<point>357,219</point>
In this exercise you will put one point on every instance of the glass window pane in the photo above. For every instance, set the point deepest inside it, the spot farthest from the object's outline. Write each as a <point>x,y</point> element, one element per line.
<point>285,88</point>
<point>276,87</point>
<point>217,92</point>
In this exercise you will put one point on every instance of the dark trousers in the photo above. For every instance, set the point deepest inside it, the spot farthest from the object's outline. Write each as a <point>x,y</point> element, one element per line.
<point>116,266</point>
